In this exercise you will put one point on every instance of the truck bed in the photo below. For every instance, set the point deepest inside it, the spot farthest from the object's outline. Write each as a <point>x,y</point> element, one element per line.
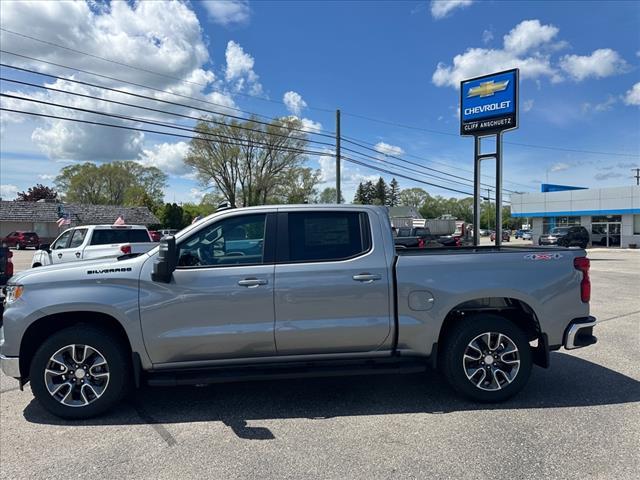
<point>407,252</point>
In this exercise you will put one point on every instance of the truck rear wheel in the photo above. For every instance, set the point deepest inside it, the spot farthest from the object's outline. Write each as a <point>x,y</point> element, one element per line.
<point>486,358</point>
<point>80,372</point>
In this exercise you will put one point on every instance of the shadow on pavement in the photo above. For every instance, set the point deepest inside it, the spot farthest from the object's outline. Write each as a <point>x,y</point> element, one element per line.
<point>570,382</point>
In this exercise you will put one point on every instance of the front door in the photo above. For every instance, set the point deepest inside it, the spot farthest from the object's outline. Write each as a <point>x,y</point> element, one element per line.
<point>219,304</point>
<point>332,289</point>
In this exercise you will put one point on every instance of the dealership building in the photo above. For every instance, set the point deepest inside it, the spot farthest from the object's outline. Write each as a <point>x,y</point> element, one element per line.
<point>611,215</point>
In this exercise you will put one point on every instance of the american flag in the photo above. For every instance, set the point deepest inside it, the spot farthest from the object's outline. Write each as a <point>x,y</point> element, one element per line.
<point>65,220</point>
<point>119,221</point>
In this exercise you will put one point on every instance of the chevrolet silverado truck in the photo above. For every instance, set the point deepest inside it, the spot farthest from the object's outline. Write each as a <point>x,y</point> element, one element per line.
<point>88,242</point>
<point>288,291</point>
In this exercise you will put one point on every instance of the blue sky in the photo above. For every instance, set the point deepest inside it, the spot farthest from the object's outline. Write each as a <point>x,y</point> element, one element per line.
<point>395,61</point>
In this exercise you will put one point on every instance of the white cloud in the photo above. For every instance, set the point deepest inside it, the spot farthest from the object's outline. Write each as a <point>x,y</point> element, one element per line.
<point>632,97</point>
<point>308,125</point>
<point>240,69</point>
<point>487,36</point>
<point>516,53</point>
<point>600,107</point>
<point>168,157</point>
<point>8,191</point>
<point>155,37</point>
<point>47,177</point>
<point>294,102</point>
<point>527,105</point>
<point>442,8</point>
<point>527,35</point>
<point>559,167</point>
<point>228,12</point>
<point>387,149</point>
<point>603,62</point>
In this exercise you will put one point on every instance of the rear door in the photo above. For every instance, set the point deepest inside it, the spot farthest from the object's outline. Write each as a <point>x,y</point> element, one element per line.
<point>331,284</point>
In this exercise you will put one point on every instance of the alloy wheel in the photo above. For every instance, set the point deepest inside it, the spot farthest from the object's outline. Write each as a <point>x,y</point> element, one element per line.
<point>76,375</point>
<point>491,361</point>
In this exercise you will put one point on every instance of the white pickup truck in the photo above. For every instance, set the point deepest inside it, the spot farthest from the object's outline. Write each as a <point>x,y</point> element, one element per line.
<point>92,242</point>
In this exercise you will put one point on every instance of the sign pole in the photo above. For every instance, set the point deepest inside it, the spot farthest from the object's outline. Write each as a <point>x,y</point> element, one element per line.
<point>498,189</point>
<point>476,191</point>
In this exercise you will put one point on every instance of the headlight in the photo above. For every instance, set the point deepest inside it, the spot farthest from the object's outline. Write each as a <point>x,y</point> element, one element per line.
<point>12,293</point>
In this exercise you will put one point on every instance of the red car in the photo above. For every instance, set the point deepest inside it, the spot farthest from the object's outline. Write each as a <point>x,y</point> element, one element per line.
<point>506,237</point>
<point>20,240</point>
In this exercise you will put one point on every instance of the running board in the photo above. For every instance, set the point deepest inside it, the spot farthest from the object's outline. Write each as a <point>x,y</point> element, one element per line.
<point>280,372</point>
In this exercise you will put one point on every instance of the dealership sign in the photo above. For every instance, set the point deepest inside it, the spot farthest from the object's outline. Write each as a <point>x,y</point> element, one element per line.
<point>489,104</point>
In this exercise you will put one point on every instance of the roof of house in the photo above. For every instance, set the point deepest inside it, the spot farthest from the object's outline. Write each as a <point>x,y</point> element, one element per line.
<point>404,212</point>
<point>16,211</point>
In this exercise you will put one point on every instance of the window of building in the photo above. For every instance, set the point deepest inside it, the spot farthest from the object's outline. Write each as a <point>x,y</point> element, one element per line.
<point>549,223</point>
<point>636,224</point>
<point>606,219</point>
<point>326,236</point>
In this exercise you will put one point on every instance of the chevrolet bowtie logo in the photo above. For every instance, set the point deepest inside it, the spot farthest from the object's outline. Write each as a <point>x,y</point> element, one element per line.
<point>487,89</point>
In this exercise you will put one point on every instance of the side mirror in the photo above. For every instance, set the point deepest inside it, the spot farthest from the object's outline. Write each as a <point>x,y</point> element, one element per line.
<point>45,247</point>
<point>164,266</point>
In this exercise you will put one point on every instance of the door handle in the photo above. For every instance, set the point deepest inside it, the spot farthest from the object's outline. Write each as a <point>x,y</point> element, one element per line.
<point>59,255</point>
<point>252,282</point>
<point>367,277</point>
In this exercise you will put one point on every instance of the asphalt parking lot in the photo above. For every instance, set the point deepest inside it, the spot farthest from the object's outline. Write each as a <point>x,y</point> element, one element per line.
<point>579,419</point>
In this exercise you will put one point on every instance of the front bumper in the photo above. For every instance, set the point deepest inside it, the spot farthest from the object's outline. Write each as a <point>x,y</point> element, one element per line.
<point>579,333</point>
<point>10,366</point>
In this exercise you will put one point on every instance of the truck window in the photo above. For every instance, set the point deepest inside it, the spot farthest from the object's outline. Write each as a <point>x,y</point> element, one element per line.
<point>61,241</point>
<point>115,235</point>
<point>327,236</point>
<point>78,237</point>
<point>232,241</point>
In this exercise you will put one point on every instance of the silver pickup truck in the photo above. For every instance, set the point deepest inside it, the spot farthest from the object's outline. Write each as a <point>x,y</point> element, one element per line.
<point>285,291</point>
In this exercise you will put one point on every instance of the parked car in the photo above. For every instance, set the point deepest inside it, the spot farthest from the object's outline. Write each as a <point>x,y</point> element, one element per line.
<point>518,233</point>
<point>527,235</point>
<point>322,292</point>
<point>576,236</point>
<point>506,237</point>
<point>21,240</point>
<point>155,235</point>
<point>6,265</point>
<point>167,231</point>
<point>94,241</point>
<point>421,237</point>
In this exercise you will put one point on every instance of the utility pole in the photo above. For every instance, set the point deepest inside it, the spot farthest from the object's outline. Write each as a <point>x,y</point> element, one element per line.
<point>338,192</point>
<point>637,175</point>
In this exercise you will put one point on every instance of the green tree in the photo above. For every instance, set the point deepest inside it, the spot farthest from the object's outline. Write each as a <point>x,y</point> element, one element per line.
<point>393,198</point>
<point>413,197</point>
<point>360,195</point>
<point>171,216</point>
<point>380,192</point>
<point>328,195</point>
<point>253,163</point>
<point>38,192</point>
<point>115,183</point>
<point>298,186</point>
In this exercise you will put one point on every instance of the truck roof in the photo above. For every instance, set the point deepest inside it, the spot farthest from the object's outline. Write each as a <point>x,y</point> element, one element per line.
<point>114,227</point>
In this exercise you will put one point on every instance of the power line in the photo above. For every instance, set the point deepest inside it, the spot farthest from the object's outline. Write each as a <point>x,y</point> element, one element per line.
<point>146,97</point>
<point>142,108</point>
<point>528,145</point>
<point>357,141</point>
<point>177,135</point>
<point>187,116</point>
<point>216,136</point>
<point>412,163</point>
<point>153,72</point>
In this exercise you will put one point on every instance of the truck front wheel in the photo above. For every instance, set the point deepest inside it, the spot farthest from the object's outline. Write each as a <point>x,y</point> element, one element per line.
<point>80,372</point>
<point>486,358</point>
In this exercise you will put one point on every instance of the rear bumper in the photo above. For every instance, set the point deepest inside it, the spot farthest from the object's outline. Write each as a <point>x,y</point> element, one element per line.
<point>579,333</point>
<point>10,366</point>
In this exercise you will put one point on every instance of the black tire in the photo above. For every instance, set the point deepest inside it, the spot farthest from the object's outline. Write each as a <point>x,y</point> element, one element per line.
<point>19,247</point>
<point>111,348</point>
<point>35,265</point>
<point>455,345</point>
